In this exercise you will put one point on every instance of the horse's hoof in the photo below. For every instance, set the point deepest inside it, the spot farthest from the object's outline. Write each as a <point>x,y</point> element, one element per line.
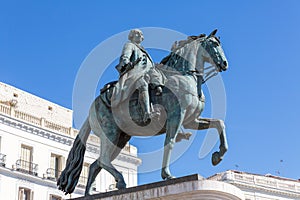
<point>169,177</point>
<point>121,185</point>
<point>216,158</point>
<point>166,176</point>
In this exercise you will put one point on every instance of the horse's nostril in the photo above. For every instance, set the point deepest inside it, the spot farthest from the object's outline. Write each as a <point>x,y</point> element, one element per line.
<point>224,63</point>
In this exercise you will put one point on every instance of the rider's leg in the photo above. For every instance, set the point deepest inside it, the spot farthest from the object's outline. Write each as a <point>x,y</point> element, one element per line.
<point>144,101</point>
<point>156,81</point>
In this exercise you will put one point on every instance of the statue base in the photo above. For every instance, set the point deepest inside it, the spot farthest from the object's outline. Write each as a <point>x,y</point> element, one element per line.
<point>188,187</point>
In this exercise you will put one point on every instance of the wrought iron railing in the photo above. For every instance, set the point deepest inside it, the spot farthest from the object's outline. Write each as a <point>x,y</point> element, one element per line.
<point>2,159</point>
<point>27,167</point>
<point>53,174</point>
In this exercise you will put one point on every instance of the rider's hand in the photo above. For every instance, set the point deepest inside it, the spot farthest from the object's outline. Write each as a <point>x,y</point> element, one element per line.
<point>129,65</point>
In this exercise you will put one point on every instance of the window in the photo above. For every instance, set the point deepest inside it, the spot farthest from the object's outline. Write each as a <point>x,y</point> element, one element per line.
<point>54,197</point>
<point>26,157</point>
<point>25,194</point>
<point>84,174</point>
<point>2,156</point>
<point>56,166</point>
<point>24,164</point>
<point>26,153</point>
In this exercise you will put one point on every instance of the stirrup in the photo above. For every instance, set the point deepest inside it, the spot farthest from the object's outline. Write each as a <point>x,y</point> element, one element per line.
<point>148,116</point>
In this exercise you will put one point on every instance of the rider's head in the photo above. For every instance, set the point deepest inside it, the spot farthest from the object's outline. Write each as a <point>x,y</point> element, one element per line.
<point>136,36</point>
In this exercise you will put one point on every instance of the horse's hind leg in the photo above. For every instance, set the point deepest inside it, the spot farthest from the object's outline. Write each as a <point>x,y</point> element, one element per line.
<point>95,167</point>
<point>93,172</point>
<point>123,139</point>
<point>108,151</point>
<point>205,123</point>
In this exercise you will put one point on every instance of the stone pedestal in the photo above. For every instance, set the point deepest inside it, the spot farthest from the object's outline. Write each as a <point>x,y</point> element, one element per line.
<point>185,188</point>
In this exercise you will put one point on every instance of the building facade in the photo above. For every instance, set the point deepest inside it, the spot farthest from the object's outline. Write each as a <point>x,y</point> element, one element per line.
<point>261,187</point>
<point>35,138</point>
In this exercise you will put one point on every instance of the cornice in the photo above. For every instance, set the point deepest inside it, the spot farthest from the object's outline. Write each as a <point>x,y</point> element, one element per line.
<point>29,128</point>
<point>59,138</point>
<point>263,188</point>
<point>129,158</point>
<point>266,189</point>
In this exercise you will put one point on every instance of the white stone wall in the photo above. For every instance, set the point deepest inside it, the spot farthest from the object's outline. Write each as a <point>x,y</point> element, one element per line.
<point>16,131</point>
<point>35,106</point>
<point>13,135</point>
<point>259,187</point>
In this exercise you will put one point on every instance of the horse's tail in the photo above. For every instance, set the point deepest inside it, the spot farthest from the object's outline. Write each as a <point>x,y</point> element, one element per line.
<point>70,175</point>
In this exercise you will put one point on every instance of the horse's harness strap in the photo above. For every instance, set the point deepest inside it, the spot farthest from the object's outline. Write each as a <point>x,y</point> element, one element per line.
<point>206,75</point>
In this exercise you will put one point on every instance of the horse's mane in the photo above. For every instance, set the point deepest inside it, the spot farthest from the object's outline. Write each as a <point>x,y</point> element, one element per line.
<point>181,44</point>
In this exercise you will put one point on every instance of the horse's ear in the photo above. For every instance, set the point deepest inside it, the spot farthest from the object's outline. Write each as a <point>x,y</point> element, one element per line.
<point>213,33</point>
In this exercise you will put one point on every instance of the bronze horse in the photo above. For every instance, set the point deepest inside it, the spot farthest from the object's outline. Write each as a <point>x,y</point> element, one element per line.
<point>182,101</point>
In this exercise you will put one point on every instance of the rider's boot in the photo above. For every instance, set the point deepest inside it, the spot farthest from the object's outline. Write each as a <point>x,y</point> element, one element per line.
<point>183,136</point>
<point>158,90</point>
<point>145,104</point>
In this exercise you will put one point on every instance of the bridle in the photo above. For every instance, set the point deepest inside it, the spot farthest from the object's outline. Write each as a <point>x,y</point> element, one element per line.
<point>209,71</point>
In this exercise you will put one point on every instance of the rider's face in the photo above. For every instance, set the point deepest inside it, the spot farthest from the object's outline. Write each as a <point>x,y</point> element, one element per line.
<point>138,37</point>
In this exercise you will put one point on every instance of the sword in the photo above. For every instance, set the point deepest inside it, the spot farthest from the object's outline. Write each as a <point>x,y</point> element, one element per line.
<point>126,68</point>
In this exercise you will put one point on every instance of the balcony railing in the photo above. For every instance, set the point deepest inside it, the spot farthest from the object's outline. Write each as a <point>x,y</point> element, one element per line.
<point>2,160</point>
<point>27,167</point>
<point>53,174</point>
<point>39,121</point>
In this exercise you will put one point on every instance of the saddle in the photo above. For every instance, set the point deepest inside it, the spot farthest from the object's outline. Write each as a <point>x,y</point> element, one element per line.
<point>106,93</point>
<point>107,86</point>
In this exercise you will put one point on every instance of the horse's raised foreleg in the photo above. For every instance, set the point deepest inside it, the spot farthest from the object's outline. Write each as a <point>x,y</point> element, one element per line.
<point>205,123</point>
<point>173,126</point>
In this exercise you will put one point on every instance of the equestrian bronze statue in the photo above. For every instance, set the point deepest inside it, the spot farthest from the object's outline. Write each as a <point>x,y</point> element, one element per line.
<point>180,101</point>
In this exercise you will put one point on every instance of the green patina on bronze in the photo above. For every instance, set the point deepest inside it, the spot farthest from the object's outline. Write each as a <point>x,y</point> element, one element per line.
<point>181,98</point>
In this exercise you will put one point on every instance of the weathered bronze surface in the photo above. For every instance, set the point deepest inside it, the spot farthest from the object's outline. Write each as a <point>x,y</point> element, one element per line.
<point>116,118</point>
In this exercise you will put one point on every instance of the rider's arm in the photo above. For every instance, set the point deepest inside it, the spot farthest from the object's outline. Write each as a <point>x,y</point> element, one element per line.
<point>126,54</point>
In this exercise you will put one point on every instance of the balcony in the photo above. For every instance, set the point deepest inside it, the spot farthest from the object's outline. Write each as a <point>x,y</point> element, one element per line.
<point>27,167</point>
<point>52,174</point>
<point>2,160</point>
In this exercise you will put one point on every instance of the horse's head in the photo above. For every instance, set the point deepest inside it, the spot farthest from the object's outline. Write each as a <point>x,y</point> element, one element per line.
<point>214,53</point>
<point>190,55</point>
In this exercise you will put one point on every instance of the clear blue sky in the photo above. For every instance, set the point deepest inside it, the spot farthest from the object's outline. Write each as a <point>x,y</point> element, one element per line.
<point>43,43</point>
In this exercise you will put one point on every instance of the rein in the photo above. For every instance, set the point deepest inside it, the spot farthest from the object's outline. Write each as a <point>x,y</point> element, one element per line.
<point>208,74</point>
